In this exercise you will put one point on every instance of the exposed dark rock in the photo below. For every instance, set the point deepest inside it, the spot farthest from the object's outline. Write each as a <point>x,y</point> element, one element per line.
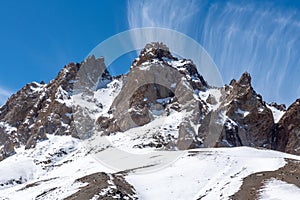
<point>280,107</point>
<point>211,100</point>
<point>288,139</point>
<point>155,50</point>
<point>105,186</point>
<point>40,109</point>
<point>231,132</point>
<point>151,85</point>
<point>188,138</point>
<point>241,119</point>
<point>254,183</point>
<point>246,108</point>
<point>157,84</point>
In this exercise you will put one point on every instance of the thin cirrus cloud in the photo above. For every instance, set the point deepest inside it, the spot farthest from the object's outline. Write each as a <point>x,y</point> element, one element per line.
<point>259,37</point>
<point>163,13</point>
<point>4,95</point>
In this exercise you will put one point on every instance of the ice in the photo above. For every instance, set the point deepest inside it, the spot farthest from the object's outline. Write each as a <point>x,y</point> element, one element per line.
<point>159,173</point>
<point>105,96</point>
<point>38,88</point>
<point>179,63</point>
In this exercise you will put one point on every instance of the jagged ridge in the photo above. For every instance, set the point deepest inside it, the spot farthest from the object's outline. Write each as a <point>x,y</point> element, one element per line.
<point>234,115</point>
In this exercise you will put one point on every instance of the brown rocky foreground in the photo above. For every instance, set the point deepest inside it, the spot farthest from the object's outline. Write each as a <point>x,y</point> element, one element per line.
<point>252,184</point>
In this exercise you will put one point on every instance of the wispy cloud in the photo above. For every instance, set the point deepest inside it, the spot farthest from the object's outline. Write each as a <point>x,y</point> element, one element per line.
<point>176,14</point>
<point>262,39</point>
<point>4,95</point>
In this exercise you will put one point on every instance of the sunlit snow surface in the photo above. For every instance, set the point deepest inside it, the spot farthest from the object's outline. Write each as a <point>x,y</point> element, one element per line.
<point>210,172</point>
<point>68,162</point>
<point>277,189</point>
<point>53,166</point>
<point>277,114</point>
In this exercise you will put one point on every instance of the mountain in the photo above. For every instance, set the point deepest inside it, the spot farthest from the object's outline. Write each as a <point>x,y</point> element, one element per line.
<point>88,135</point>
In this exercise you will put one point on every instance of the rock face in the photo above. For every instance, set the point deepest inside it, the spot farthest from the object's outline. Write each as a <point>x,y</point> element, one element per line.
<point>288,130</point>
<point>253,120</point>
<point>280,107</point>
<point>156,81</point>
<point>105,186</point>
<point>241,117</point>
<point>40,109</point>
<point>158,86</point>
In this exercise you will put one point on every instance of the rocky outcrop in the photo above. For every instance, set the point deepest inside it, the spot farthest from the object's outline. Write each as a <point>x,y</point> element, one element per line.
<point>104,186</point>
<point>240,119</point>
<point>253,120</point>
<point>158,84</point>
<point>40,109</point>
<point>155,50</point>
<point>280,107</point>
<point>288,130</point>
<point>156,81</point>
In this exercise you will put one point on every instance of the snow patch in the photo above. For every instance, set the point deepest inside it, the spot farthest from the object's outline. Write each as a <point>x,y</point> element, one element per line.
<point>63,97</point>
<point>277,189</point>
<point>243,112</point>
<point>207,173</point>
<point>51,168</point>
<point>277,114</point>
<point>164,100</point>
<point>8,128</point>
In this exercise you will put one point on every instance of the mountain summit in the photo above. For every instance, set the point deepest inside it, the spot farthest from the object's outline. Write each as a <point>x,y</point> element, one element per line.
<point>49,132</point>
<point>157,85</point>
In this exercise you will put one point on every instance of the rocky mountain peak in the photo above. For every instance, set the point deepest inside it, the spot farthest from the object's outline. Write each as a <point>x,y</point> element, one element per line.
<point>288,130</point>
<point>40,109</point>
<point>158,85</point>
<point>158,53</point>
<point>154,50</point>
<point>250,118</point>
<point>245,79</point>
<point>281,107</point>
<point>93,74</point>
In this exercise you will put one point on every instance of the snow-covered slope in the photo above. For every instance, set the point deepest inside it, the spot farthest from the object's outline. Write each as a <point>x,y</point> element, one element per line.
<point>145,135</point>
<point>209,173</point>
<point>50,170</point>
<point>54,163</point>
<point>277,114</point>
<point>277,189</point>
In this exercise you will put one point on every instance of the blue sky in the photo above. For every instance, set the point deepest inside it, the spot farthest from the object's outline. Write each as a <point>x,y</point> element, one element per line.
<point>37,38</point>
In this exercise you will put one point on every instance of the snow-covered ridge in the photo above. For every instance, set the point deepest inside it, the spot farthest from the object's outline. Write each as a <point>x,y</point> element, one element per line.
<point>145,154</point>
<point>54,165</point>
